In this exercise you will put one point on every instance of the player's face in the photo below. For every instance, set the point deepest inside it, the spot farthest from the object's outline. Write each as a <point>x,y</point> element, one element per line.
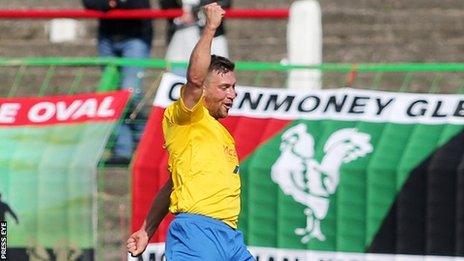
<point>220,93</point>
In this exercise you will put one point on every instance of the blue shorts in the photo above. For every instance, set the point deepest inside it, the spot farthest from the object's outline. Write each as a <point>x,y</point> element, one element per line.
<point>197,237</point>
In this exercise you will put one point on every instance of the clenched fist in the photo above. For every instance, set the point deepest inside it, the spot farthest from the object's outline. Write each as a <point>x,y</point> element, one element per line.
<point>214,14</point>
<point>137,242</point>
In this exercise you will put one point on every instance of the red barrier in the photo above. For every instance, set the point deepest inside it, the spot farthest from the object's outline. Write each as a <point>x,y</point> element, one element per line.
<point>142,13</point>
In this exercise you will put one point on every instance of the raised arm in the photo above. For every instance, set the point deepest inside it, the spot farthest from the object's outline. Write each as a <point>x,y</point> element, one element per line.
<point>138,241</point>
<point>200,58</point>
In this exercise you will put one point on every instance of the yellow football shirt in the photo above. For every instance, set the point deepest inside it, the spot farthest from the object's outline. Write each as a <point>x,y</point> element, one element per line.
<point>203,163</point>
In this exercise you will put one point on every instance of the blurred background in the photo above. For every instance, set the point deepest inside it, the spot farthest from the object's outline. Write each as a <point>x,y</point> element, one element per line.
<point>356,34</point>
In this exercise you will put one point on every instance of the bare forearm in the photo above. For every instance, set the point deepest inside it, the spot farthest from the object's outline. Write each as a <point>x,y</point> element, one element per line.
<point>200,58</point>
<point>158,210</point>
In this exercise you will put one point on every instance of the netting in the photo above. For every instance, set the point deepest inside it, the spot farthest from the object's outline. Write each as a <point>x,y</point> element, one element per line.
<point>47,76</point>
<point>52,76</point>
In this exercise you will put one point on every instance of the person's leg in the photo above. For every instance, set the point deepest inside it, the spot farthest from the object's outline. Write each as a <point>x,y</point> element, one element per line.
<point>131,79</point>
<point>123,145</point>
<point>105,47</point>
<point>175,247</point>
<point>239,251</point>
<point>131,76</point>
<point>121,155</point>
<point>188,239</point>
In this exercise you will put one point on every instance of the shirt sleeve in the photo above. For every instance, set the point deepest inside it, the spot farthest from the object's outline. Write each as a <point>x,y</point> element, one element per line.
<point>183,115</point>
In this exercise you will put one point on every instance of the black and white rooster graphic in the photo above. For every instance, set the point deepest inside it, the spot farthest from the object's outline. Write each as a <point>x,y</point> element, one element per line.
<point>309,182</point>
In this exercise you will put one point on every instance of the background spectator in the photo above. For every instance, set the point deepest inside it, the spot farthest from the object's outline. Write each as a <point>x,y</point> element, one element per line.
<point>129,39</point>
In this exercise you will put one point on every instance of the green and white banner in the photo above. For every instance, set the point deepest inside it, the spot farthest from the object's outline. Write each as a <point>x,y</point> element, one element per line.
<point>340,174</point>
<point>49,150</point>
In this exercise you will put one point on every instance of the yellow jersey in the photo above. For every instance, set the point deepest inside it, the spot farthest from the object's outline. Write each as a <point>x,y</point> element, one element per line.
<point>203,163</point>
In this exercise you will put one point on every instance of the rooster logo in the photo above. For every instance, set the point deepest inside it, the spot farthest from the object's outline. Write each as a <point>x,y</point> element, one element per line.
<point>309,182</point>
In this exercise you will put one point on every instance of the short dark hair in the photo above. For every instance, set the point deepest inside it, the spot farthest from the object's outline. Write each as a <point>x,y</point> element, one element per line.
<point>221,64</point>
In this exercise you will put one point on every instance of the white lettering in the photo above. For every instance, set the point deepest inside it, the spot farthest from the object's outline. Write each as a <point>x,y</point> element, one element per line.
<point>104,110</point>
<point>41,112</point>
<point>88,108</point>
<point>8,112</point>
<point>64,113</point>
<point>3,240</point>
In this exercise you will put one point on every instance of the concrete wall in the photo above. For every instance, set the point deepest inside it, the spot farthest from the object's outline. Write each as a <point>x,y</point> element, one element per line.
<point>354,31</point>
